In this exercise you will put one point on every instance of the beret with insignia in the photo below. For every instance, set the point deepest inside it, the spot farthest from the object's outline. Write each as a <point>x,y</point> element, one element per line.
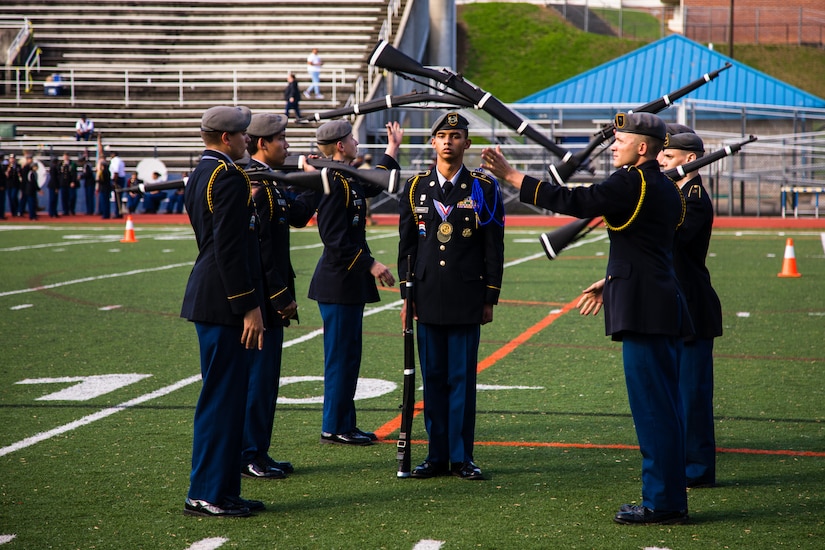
<point>266,124</point>
<point>646,124</point>
<point>685,142</point>
<point>226,119</point>
<point>450,121</point>
<point>332,131</point>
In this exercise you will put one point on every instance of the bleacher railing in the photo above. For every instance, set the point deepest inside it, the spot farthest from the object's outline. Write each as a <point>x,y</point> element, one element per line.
<point>171,87</point>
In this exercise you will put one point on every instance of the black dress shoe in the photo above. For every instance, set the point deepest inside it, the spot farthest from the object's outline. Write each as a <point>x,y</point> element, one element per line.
<point>371,435</point>
<point>467,470</point>
<point>642,515</point>
<point>285,467</point>
<point>351,438</point>
<point>253,505</point>
<point>194,507</point>
<point>261,470</point>
<point>428,469</point>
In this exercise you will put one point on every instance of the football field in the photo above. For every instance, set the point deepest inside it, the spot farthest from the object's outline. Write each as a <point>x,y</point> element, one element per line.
<point>99,377</point>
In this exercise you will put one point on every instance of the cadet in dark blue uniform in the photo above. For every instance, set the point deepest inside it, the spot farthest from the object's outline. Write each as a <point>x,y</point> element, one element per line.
<point>644,306</point>
<point>344,279</point>
<point>276,211</point>
<point>696,361</point>
<point>223,298</point>
<point>452,224</point>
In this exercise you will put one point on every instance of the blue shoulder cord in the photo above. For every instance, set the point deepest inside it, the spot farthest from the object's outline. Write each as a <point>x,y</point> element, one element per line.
<point>479,203</point>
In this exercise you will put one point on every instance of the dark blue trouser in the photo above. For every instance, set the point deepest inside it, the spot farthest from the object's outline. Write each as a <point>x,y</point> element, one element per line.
<point>219,414</point>
<point>342,363</point>
<point>264,375</point>
<point>652,376</point>
<point>449,363</point>
<point>696,392</point>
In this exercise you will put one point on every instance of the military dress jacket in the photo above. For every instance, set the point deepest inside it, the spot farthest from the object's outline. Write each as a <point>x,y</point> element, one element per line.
<point>226,280</point>
<point>456,243</point>
<point>277,211</point>
<point>690,250</point>
<point>642,209</point>
<point>342,275</point>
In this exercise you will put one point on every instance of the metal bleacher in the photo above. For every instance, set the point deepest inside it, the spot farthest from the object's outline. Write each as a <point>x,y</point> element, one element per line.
<point>144,72</point>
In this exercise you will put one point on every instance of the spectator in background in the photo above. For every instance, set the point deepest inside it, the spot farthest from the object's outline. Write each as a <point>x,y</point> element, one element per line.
<point>314,63</point>
<point>31,189</point>
<point>84,129</point>
<point>28,161</point>
<point>14,183</point>
<point>152,199</point>
<point>133,197</point>
<point>68,185</point>
<point>175,204</point>
<point>117,170</point>
<point>292,95</point>
<point>54,186</point>
<point>104,189</point>
<point>86,174</point>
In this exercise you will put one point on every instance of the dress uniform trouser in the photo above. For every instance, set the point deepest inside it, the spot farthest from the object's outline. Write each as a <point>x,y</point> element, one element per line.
<point>219,414</point>
<point>449,363</point>
<point>264,375</point>
<point>652,377</point>
<point>696,389</point>
<point>342,362</point>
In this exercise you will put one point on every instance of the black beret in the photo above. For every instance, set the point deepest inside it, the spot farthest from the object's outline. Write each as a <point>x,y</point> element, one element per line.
<point>685,142</point>
<point>226,119</point>
<point>645,124</point>
<point>266,124</point>
<point>332,131</point>
<point>450,121</point>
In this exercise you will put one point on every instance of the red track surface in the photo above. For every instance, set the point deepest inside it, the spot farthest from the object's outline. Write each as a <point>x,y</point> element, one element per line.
<point>392,220</point>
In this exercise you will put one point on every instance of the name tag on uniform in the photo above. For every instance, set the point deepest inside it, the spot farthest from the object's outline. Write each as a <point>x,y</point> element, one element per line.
<point>281,202</point>
<point>422,209</point>
<point>357,202</point>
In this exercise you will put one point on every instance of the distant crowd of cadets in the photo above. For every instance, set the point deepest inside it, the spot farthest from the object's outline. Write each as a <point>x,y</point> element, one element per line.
<point>63,181</point>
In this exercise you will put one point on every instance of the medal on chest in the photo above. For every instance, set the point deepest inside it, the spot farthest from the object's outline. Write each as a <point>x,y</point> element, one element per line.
<point>445,228</point>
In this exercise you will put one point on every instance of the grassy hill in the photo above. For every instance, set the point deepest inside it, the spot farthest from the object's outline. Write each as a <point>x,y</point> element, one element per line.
<point>513,50</point>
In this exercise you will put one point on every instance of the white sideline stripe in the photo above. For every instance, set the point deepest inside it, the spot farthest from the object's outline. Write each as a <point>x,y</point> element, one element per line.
<point>96,278</point>
<point>208,544</point>
<point>37,438</point>
<point>42,436</point>
<point>428,544</point>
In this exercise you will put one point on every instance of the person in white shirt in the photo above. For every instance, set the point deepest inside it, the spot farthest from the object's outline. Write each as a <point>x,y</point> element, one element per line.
<point>84,129</point>
<point>314,69</point>
<point>117,169</point>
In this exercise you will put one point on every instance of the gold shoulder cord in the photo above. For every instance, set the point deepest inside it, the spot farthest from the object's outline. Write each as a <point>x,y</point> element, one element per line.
<point>346,190</point>
<point>411,197</point>
<point>684,205</point>
<point>221,167</point>
<point>270,197</point>
<point>638,206</point>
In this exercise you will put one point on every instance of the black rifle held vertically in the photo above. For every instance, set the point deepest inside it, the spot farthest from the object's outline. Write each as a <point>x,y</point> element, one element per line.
<point>408,400</point>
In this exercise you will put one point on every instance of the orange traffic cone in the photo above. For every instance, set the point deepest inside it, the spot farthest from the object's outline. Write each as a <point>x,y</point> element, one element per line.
<point>789,263</point>
<point>129,236</point>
